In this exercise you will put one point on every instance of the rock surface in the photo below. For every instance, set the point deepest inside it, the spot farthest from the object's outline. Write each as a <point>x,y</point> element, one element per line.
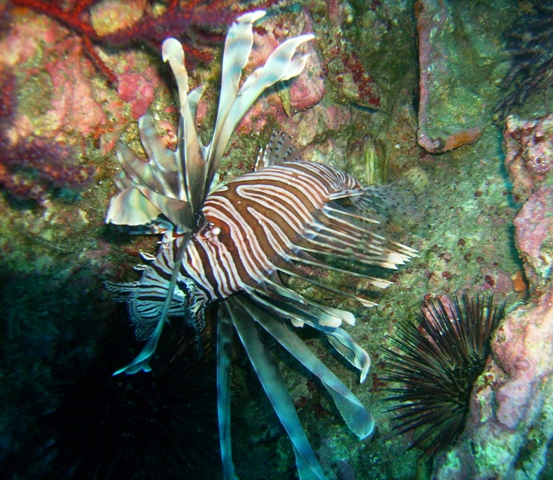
<point>511,420</point>
<point>529,153</point>
<point>455,91</point>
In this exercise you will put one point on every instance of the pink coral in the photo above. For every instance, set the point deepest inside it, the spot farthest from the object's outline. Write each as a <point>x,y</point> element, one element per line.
<point>336,117</point>
<point>31,168</point>
<point>524,351</point>
<point>134,89</point>
<point>529,152</point>
<point>74,106</point>
<point>305,92</point>
<point>534,234</point>
<point>22,41</point>
<point>256,118</point>
<point>308,89</point>
<point>264,43</point>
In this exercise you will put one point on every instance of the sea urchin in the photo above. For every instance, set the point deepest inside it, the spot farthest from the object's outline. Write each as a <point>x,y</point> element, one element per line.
<point>439,357</point>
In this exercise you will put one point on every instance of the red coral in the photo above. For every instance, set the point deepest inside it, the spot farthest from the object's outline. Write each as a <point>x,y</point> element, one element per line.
<point>195,19</point>
<point>365,83</point>
<point>351,76</point>
<point>73,104</point>
<point>29,169</point>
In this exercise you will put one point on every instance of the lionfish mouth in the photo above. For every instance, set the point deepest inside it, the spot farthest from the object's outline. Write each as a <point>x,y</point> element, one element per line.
<point>231,245</point>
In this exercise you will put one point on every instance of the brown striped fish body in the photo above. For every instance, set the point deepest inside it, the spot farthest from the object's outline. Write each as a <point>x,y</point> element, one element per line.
<point>259,224</point>
<point>254,223</point>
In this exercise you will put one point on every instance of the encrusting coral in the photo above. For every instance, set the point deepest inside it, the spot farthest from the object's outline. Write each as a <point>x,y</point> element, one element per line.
<point>34,168</point>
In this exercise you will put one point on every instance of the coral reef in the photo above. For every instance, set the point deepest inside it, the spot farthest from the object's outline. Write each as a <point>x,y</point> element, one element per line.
<point>456,63</point>
<point>534,237</point>
<point>8,103</point>
<point>293,97</point>
<point>510,418</point>
<point>33,168</point>
<point>56,256</point>
<point>352,78</point>
<point>529,153</point>
<point>36,169</point>
<point>345,67</point>
<point>510,424</point>
<point>529,158</point>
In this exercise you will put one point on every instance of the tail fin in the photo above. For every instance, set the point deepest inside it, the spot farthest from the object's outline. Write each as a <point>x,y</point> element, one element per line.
<point>400,203</point>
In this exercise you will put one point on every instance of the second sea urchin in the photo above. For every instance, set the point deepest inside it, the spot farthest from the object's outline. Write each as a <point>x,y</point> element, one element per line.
<point>436,361</point>
<point>531,45</point>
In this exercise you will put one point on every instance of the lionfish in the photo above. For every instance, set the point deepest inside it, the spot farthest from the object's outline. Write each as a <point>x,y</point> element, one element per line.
<point>229,245</point>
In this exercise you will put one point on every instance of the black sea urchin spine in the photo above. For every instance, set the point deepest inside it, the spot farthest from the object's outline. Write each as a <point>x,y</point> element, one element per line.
<point>436,360</point>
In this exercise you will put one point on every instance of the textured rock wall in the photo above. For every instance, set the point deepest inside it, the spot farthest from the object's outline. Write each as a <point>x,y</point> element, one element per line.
<point>511,423</point>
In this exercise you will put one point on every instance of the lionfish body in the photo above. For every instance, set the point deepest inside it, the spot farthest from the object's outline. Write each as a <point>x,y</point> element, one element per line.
<point>230,245</point>
<point>255,226</point>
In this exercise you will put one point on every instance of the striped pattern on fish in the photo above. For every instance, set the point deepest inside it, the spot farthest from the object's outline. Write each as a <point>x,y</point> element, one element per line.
<point>255,225</point>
